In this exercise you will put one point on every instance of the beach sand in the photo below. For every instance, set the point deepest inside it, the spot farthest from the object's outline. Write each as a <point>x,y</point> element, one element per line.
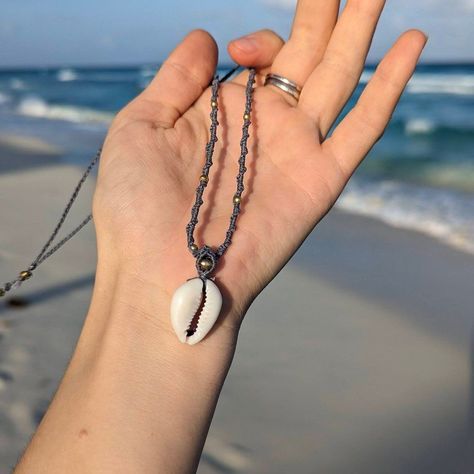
<point>357,358</point>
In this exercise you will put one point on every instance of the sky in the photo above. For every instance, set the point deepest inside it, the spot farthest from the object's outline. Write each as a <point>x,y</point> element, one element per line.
<point>116,32</point>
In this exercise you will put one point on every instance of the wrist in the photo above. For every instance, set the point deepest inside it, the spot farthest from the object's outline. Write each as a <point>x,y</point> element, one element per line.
<point>130,312</point>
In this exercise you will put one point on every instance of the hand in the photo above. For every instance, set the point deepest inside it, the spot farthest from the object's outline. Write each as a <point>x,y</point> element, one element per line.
<point>154,152</point>
<point>154,396</point>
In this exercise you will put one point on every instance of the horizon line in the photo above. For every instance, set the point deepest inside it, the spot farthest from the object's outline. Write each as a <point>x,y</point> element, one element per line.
<point>223,65</point>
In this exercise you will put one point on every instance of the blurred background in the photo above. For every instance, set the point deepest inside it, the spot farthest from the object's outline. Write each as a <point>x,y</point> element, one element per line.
<point>365,366</point>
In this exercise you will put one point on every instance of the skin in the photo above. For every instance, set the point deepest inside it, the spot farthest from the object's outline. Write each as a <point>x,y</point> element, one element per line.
<point>134,399</point>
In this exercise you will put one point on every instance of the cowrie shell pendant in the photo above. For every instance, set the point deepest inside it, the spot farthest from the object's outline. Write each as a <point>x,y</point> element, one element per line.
<point>195,307</point>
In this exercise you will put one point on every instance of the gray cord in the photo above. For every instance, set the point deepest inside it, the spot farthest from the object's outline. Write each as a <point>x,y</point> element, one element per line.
<point>42,256</point>
<point>242,168</point>
<point>44,253</point>
<point>206,254</point>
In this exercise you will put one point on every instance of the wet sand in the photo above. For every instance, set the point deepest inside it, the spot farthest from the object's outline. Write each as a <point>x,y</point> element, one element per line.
<point>355,359</point>
<point>18,153</point>
<point>332,377</point>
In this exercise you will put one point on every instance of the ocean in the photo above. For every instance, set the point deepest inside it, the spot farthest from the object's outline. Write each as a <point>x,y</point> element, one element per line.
<point>420,175</point>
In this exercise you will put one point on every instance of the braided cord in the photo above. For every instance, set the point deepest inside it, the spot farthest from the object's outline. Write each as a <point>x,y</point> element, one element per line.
<point>44,253</point>
<point>206,253</point>
<point>242,168</point>
<point>42,256</point>
<point>63,241</point>
<point>203,180</point>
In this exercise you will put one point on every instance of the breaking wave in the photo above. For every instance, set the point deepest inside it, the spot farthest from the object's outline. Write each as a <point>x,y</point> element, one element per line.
<point>34,106</point>
<point>442,213</point>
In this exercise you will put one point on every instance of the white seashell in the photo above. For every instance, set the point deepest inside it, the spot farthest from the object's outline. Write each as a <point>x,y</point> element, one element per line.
<point>195,296</point>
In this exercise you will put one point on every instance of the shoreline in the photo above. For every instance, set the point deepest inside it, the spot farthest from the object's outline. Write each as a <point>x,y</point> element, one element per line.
<point>19,152</point>
<point>396,267</point>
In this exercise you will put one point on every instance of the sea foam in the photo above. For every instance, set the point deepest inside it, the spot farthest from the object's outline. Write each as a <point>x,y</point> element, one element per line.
<point>66,75</point>
<point>429,83</point>
<point>444,214</point>
<point>457,84</point>
<point>34,106</point>
<point>420,126</point>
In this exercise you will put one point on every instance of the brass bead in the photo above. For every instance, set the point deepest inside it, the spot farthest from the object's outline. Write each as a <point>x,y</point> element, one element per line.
<point>2,292</point>
<point>193,248</point>
<point>246,117</point>
<point>214,104</point>
<point>237,199</point>
<point>203,178</point>
<point>205,264</point>
<point>24,275</point>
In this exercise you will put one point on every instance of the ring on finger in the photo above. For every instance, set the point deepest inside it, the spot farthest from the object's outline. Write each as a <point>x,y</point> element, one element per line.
<point>284,84</point>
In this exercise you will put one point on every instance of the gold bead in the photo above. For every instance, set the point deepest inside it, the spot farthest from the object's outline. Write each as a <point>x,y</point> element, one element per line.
<point>214,104</point>
<point>237,199</point>
<point>203,178</point>
<point>194,248</point>
<point>24,275</point>
<point>205,264</point>
<point>246,117</point>
<point>2,292</point>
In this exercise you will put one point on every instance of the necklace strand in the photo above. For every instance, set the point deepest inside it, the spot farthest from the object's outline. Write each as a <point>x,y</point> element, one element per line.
<point>206,258</point>
<point>45,253</point>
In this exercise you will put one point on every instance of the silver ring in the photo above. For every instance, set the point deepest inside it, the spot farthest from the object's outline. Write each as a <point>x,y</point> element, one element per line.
<point>284,84</point>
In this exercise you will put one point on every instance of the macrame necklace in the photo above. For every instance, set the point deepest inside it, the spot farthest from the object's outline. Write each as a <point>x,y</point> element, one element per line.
<point>196,304</point>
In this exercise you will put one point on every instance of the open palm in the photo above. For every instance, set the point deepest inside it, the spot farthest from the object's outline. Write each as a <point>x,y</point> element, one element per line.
<point>154,152</point>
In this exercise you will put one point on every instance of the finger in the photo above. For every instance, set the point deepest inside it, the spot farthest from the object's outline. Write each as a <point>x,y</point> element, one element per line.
<point>364,125</point>
<point>312,27</point>
<point>183,76</point>
<point>256,50</point>
<point>334,80</point>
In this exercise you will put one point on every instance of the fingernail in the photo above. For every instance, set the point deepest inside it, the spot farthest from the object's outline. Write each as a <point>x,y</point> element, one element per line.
<point>248,44</point>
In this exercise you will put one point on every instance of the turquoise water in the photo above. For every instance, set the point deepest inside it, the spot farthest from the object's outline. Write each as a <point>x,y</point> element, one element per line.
<point>419,176</point>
